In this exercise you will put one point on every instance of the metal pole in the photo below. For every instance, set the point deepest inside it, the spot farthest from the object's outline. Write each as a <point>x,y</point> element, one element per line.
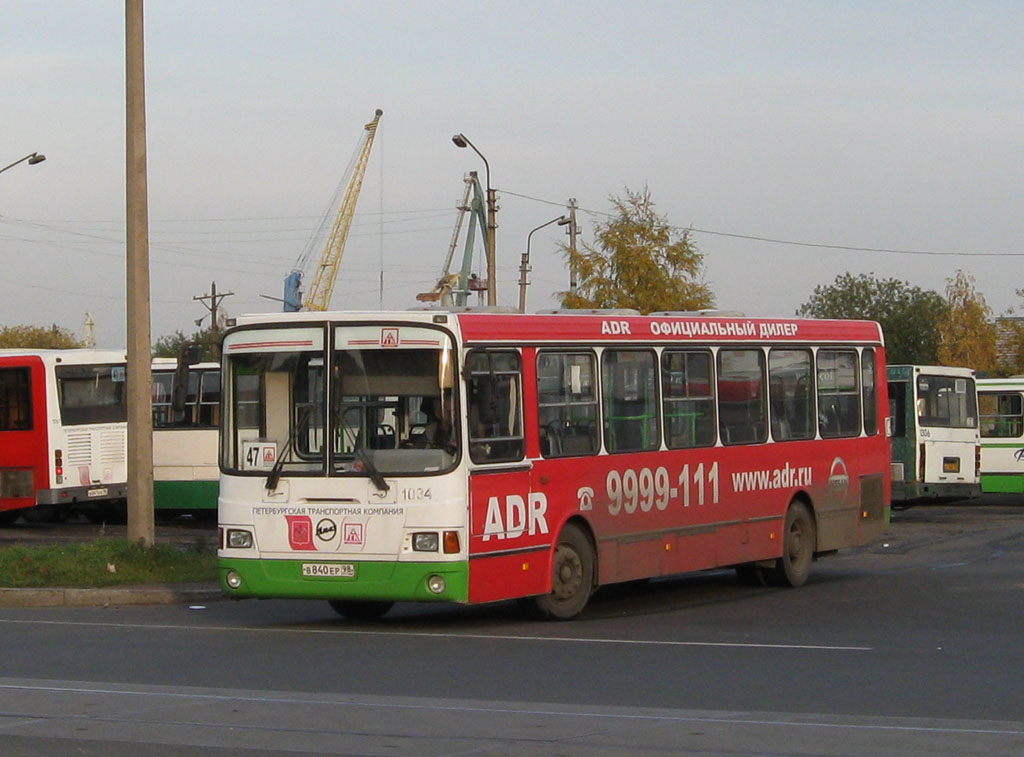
<point>524,265</point>
<point>460,140</point>
<point>140,381</point>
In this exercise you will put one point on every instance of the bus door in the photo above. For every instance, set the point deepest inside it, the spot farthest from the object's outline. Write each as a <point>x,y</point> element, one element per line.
<point>510,531</point>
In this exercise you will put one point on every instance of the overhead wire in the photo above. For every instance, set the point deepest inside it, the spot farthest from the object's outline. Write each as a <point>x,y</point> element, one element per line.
<point>789,242</point>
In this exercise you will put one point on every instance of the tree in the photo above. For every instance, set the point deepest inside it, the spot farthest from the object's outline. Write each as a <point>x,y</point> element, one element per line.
<point>639,261</point>
<point>967,333</point>
<point>171,345</point>
<point>908,314</point>
<point>39,337</point>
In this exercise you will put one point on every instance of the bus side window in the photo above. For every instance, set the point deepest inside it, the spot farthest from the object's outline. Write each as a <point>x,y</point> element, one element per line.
<point>688,398</point>
<point>494,385</point>
<point>15,399</point>
<point>209,399</point>
<point>162,414</point>
<point>791,373</point>
<point>839,411</point>
<point>629,389</point>
<point>567,403</point>
<point>741,396</point>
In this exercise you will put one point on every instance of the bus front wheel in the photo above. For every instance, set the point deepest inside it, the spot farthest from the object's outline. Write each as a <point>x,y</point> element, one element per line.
<point>798,543</point>
<point>572,579</point>
<point>360,609</point>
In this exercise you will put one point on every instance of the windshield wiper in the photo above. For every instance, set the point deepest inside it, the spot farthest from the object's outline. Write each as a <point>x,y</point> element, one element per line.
<point>371,469</point>
<point>301,425</point>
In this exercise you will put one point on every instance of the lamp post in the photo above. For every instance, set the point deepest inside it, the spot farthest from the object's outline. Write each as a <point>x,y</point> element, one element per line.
<point>460,140</point>
<point>32,160</point>
<point>524,265</point>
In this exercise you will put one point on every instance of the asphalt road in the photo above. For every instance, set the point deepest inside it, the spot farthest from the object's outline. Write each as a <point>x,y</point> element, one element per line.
<point>911,646</point>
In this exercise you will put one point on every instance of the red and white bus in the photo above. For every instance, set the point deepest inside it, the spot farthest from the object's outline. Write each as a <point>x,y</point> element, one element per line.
<point>369,458</point>
<point>63,431</point>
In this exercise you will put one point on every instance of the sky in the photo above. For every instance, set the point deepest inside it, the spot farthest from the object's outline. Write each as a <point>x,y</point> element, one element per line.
<point>797,141</point>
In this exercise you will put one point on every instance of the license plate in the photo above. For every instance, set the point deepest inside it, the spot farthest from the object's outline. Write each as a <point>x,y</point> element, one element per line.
<point>328,570</point>
<point>97,492</point>
<point>951,465</point>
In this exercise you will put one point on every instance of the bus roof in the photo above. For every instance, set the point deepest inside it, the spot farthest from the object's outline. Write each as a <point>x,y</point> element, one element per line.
<point>598,326</point>
<point>66,357</point>
<point>906,371</point>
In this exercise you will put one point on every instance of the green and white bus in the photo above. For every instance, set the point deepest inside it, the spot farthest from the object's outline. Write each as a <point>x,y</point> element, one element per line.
<point>185,471</point>
<point>1001,404</point>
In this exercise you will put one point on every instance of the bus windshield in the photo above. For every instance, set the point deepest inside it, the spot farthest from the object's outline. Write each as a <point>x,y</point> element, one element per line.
<point>361,412</point>
<point>391,404</point>
<point>92,394</point>
<point>946,402</point>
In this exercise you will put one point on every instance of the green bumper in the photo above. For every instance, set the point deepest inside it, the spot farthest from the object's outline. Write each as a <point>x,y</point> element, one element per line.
<point>390,581</point>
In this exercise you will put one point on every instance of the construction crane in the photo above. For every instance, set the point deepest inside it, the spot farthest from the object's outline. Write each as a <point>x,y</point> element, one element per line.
<point>462,283</point>
<point>318,297</point>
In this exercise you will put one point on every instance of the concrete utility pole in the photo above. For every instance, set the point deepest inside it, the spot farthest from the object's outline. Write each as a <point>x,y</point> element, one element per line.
<point>572,231</point>
<point>141,527</point>
<point>215,300</point>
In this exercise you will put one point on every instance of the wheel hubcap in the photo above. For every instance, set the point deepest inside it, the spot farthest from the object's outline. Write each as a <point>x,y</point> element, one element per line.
<point>568,575</point>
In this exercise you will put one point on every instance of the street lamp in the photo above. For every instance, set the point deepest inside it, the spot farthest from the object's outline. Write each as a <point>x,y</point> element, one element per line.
<point>32,160</point>
<point>524,265</point>
<point>492,295</point>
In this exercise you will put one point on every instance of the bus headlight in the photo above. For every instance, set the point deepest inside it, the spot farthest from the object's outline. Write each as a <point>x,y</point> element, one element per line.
<point>233,580</point>
<point>239,539</point>
<point>437,584</point>
<point>426,541</point>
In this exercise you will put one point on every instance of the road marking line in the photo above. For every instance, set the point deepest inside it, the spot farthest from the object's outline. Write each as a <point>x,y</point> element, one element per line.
<point>547,711</point>
<point>440,635</point>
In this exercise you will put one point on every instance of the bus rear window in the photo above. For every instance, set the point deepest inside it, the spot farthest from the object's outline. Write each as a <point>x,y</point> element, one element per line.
<point>946,402</point>
<point>92,394</point>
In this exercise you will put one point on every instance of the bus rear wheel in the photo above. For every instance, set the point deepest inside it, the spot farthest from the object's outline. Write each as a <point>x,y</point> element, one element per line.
<point>360,609</point>
<point>798,544</point>
<point>572,580</point>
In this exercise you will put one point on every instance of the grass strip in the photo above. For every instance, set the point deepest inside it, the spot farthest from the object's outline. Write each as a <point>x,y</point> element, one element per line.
<point>106,562</point>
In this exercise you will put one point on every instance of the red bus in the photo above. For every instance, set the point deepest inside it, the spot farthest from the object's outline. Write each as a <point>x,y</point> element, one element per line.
<point>63,432</point>
<point>369,458</point>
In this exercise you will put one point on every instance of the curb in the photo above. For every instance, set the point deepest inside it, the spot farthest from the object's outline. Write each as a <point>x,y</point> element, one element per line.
<point>108,597</point>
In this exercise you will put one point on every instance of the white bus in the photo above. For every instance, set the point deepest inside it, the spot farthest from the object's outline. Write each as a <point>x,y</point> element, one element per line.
<point>1001,404</point>
<point>63,433</point>
<point>936,443</point>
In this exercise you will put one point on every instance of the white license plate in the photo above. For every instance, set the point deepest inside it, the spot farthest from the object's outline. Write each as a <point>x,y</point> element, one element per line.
<point>328,570</point>
<point>97,493</point>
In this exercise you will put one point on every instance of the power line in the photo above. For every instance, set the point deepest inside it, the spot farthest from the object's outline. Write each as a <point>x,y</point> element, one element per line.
<point>52,225</point>
<point>770,240</point>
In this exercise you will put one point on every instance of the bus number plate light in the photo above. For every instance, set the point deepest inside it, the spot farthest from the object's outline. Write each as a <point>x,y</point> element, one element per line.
<point>951,465</point>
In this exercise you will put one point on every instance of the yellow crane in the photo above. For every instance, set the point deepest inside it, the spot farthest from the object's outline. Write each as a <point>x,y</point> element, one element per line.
<point>318,297</point>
